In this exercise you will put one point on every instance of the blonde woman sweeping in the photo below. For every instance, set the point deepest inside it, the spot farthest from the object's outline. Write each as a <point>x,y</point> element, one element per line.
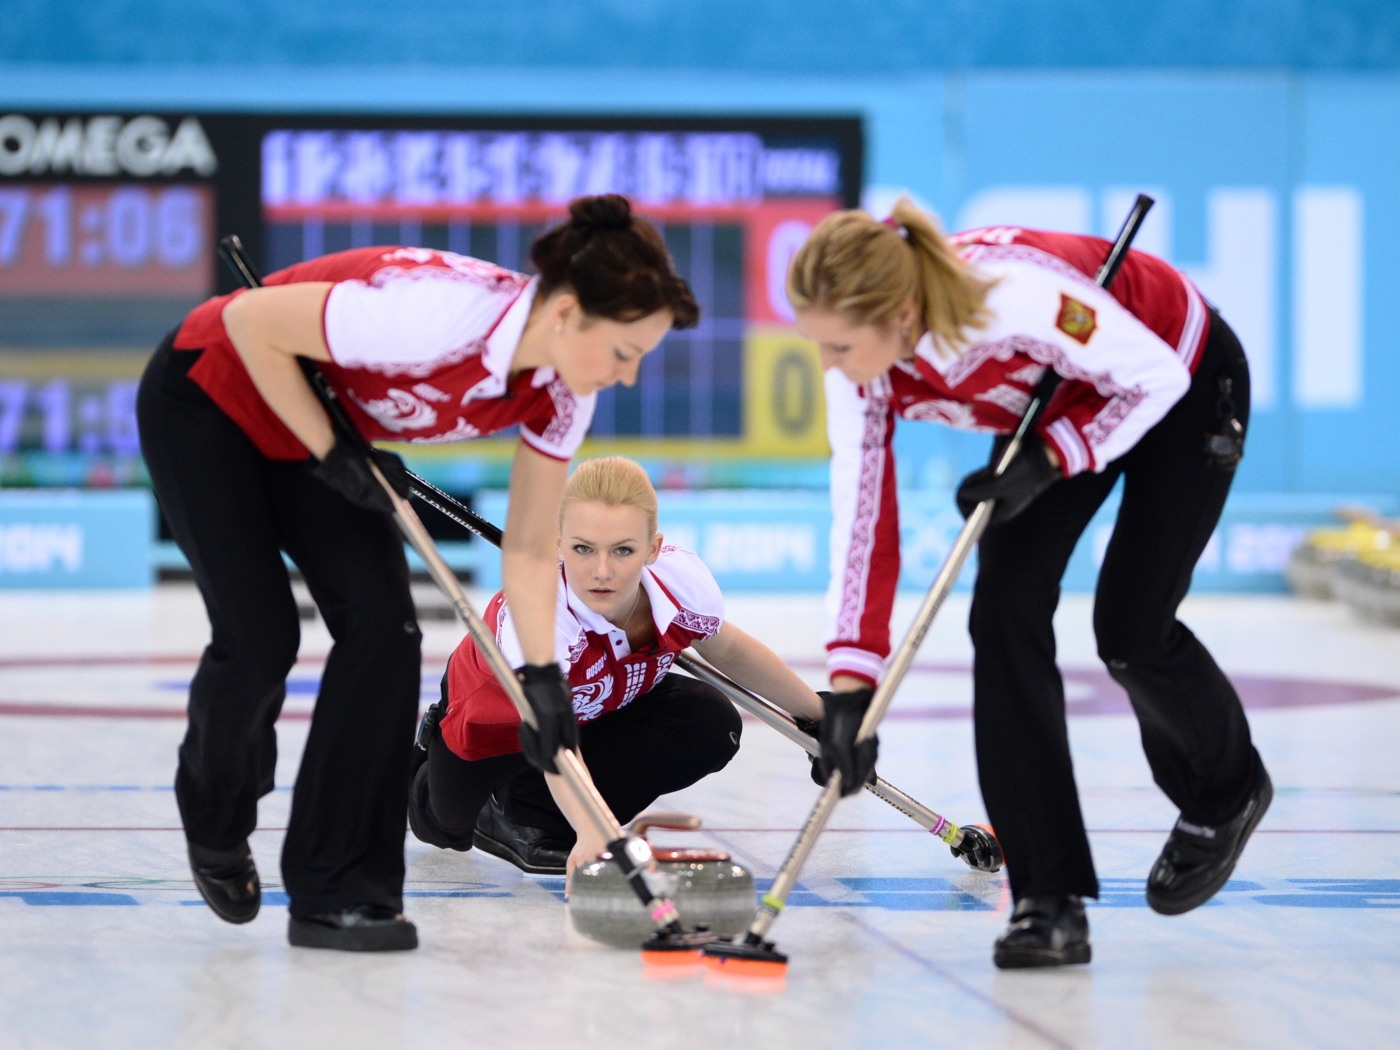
<point>958,330</point>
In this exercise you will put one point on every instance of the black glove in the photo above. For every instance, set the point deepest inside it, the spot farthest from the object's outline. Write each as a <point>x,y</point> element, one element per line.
<point>549,697</point>
<point>1026,477</point>
<point>838,728</point>
<point>814,730</point>
<point>346,471</point>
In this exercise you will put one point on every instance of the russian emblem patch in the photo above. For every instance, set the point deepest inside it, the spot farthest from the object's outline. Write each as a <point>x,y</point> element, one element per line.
<point>1076,320</point>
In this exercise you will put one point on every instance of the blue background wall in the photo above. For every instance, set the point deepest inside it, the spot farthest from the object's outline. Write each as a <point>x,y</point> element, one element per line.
<point>828,36</point>
<point>1236,114</point>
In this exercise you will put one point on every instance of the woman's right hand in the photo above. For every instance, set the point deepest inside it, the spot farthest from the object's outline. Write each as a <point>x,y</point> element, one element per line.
<point>844,683</point>
<point>585,851</point>
<point>347,472</point>
<point>589,843</point>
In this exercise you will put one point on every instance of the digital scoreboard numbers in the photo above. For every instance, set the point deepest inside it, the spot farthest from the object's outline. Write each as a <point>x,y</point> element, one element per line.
<point>732,203</point>
<point>106,241</point>
<point>63,240</point>
<point>105,205</point>
<point>108,224</point>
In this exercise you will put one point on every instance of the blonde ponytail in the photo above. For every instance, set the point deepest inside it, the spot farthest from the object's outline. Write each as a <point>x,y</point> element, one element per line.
<point>867,270</point>
<point>613,481</point>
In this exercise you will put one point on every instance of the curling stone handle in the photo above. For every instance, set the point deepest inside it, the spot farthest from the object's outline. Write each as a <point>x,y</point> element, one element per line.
<point>664,819</point>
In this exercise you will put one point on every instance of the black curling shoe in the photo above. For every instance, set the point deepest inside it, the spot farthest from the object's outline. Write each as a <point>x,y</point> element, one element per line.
<point>1197,861</point>
<point>228,881</point>
<point>533,850</point>
<point>363,928</point>
<point>1044,931</point>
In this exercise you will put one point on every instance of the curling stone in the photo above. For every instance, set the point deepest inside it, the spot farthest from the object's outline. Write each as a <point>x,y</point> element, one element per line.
<point>710,889</point>
<point>1315,564</point>
<point>1370,586</point>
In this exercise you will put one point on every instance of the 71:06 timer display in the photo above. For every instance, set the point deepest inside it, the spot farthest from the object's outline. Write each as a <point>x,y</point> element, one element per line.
<point>62,239</point>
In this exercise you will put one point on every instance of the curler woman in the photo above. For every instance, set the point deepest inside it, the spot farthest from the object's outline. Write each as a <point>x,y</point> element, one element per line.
<point>627,605</point>
<point>420,346</point>
<point>915,325</point>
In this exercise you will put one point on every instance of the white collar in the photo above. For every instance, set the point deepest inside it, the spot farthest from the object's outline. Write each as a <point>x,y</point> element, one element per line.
<point>925,350</point>
<point>504,340</point>
<point>663,611</point>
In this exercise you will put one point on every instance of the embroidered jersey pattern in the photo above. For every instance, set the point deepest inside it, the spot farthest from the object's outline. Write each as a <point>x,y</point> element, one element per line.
<point>1122,374</point>
<point>604,674</point>
<point>421,344</point>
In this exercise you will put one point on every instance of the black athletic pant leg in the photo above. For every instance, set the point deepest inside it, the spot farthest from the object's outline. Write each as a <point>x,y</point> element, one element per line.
<point>212,486</point>
<point>665,740</point>
<point>1194,730</point>
<point>233,511</point>
<point>450,791</point>
<point>1193,726</point>
<point>1023,758</point>
<point>344,841</point>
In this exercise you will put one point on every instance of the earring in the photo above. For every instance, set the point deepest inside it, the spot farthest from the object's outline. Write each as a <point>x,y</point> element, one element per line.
<point>904,334</point>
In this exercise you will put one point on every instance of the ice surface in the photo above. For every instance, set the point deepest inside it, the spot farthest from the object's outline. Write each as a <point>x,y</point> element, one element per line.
<point>104,943</point>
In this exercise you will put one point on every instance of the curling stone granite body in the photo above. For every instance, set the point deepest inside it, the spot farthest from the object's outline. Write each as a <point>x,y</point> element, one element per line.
<point>1318,567</point>
<point>1370,585</point>
<point>710,888</point>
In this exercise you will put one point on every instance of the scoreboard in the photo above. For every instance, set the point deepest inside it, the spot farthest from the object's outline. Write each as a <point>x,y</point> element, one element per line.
<point>106,237</point>
<point>107,227</point>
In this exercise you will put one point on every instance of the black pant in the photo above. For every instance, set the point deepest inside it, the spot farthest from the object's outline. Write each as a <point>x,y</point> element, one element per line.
<point>1193,727</point>
<point>233,512</point>
<point>663,741</point>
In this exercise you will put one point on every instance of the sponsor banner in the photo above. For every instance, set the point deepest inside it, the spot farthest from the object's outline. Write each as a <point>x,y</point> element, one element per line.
<point>778,540</point>
<point>773,540</point>
<point>1247,552</point>
<point>71,539</point>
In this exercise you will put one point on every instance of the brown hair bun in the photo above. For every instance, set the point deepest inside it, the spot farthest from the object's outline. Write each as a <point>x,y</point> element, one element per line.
<point>614,262</point>
<point>608,211</point>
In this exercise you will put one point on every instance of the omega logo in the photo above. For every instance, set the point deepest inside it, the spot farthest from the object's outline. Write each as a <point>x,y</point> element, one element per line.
<point>103,145</point>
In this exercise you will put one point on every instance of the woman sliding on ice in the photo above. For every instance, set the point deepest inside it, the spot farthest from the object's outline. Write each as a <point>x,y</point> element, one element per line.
<point>627,605</point>
<point>421,346</point>
<point>1155,390</point>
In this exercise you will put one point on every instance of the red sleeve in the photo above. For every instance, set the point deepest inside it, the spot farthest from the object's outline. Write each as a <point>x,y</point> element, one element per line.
<point>864,530</point>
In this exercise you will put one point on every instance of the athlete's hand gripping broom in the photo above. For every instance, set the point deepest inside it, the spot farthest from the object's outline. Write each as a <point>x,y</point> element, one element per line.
<point>632,853</point>
<point>755,953</point>
<point>974,844</point>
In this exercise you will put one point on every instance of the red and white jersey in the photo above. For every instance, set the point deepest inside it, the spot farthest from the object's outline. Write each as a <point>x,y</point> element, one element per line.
<point>421,345</point>
<point>1126,356</point>
<point>603,672</point>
